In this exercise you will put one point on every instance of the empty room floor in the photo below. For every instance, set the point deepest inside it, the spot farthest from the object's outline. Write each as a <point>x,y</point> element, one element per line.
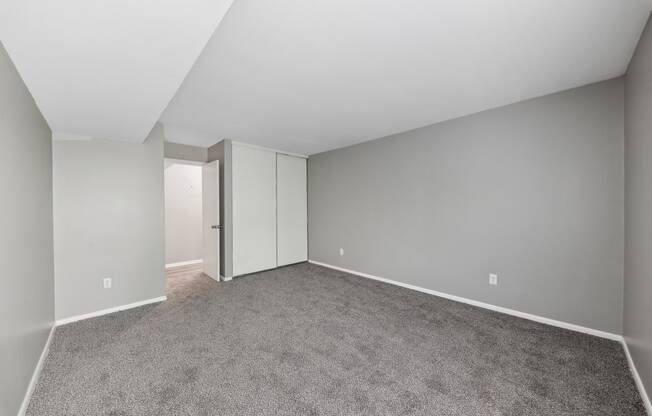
<point>309,340</point>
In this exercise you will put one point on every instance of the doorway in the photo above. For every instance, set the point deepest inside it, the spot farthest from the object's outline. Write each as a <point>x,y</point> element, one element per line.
<point>183,220</point>
<point>192,228</point>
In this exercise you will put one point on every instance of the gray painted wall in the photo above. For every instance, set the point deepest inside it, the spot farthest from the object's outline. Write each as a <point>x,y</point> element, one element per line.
<point>531,191</point>
<point>108,222</point>
<point>638,193</point>
<point>222,151</point>
<point>183,213</point>
<point>27,278</point>
<point>185,152</point>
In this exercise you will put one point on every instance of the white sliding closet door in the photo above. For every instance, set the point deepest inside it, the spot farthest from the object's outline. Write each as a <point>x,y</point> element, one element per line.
<point>292,209</point>
<point>254,209</point>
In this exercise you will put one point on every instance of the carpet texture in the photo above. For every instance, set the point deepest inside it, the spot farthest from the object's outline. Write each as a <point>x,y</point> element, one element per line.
<point>306,340</point>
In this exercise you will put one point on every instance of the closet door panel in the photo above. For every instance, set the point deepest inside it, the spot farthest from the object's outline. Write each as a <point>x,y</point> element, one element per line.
<point>292,210</point>
<point>254,209</point>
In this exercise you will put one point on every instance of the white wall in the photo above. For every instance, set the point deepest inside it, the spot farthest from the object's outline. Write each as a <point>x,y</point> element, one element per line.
<point>108,222</point>
<point>183,213</point>
<point>27,275</point>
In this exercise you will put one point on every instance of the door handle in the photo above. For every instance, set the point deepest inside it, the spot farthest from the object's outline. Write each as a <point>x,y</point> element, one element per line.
<point>216,227</point>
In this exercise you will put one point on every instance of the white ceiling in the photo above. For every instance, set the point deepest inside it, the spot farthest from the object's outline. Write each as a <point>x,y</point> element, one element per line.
<point>106,68</point>
<point>308,76</point>
<point>304,76</point>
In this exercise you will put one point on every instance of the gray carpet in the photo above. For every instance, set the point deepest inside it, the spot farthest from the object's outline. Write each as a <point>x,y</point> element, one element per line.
<point>308,340</point>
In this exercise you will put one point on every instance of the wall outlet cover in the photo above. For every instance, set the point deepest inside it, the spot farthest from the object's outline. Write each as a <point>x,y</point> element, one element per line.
<point>106,283</point>
<point>493,279</point>
<point>341,251</point>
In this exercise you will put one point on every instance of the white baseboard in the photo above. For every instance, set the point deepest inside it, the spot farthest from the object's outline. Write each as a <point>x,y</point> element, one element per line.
<point>524,315</point>
<point>602,334</point>
<point>226,279</point>
<point>46,348</point>
<point>109,310</point>
<point>573,327</point>
<point>637,379</point>
<point>183,263</point>
<point>36,373</point>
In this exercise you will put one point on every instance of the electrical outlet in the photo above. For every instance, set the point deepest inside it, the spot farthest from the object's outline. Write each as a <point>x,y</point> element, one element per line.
<point>341,251</point>
<point>493,279</point>
<point>106,283</point>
